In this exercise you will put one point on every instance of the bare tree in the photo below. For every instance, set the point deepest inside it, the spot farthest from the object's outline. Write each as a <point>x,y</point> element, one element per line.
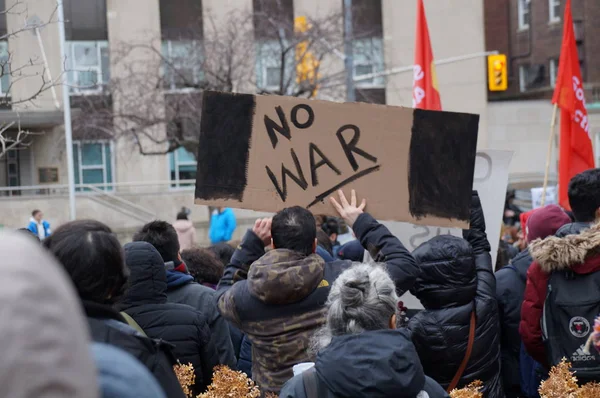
<point>33,71</point>
<point>298,58</point>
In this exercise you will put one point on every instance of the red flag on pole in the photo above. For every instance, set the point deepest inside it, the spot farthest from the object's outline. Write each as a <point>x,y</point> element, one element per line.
<point>576,153</point>
<point>425,86</point>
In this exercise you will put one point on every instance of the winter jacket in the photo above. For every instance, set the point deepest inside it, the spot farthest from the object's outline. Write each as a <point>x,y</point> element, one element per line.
<point>182,289</point>
<point>279,301</point>
<point>45,347</point>
<point>245,361</point>
<point>510,288</point>
<point>122,376</point>
<point>109,327</point>
<point>378,364</point>
<point>181,325</point>
<point>222,226</point>
<point>574,252</point>
<point>186,232</point>
<point>33,227</point>
<point>456,278</point>
<point>574,228</point>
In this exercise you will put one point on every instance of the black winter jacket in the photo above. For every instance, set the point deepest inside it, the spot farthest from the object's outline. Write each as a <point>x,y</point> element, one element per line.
<point>181,325</point>
<point>378,364</point>
<point>510,288</point>
<point>456,278</point>
<point>108,326</point>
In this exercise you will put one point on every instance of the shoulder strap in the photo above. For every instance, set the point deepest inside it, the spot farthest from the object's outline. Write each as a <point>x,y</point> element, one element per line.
<point>131,322</point>
<point>312,386</point>
<point>465,360</point>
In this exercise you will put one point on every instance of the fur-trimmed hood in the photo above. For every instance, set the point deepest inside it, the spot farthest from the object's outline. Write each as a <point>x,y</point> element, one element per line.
<point>555,254</point>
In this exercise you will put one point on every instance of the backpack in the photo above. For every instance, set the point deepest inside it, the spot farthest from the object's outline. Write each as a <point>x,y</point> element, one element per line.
<point>572,303</point>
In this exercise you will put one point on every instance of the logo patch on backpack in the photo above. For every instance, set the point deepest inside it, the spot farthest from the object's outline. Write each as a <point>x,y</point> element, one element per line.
<point>579,326</point>
<point>582,355</point>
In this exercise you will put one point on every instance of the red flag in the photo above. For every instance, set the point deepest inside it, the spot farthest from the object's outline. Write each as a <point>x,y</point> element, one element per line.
<point>576,153</point>
<point>425,86</point>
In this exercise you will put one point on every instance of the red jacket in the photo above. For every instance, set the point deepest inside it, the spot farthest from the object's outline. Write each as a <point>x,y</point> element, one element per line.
<point>577,252</point>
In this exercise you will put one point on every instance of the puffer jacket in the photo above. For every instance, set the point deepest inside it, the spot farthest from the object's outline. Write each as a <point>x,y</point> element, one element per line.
<point>510,289</point>
<point>377,364</point>
<point>279,302</point>
<point>576,252</point>
<point>186,232</point>
<point>146,302</point>
<point>456,278</point>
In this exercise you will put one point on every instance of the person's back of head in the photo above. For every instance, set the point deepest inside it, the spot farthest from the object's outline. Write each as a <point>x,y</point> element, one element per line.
<point>92,256</point>
<point>584,195</point>
<point>45,340</point>
<point>363,298</point>
<point>223,251</point>
<point>294,229</point>
<point>182,216</point>
<point>447,276</point>
<point>331,228</point>
<point>163,237</point>
<point>203,265</point>
<point>30,234</point>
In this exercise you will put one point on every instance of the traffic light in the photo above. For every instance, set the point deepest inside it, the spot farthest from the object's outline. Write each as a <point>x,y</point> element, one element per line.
<point>497,73</point>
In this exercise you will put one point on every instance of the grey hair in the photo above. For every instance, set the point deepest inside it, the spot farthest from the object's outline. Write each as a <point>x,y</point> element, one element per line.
<point>362,298</point>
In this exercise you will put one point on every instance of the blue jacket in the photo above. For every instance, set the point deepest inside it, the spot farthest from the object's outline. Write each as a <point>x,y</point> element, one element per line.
<point>33,227</point>
<point>222,226</point>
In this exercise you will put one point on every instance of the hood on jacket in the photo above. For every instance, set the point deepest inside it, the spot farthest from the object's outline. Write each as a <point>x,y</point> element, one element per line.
<point>45,338</point>
<point>183,225</point>
<point>447,276</point>
<point>283,276</point>
<point>521,263</point>
<point>555,254</point>
<point>177,278</point>
<point>572,229</point>
<point>376,364</point>
<point>147,276</point>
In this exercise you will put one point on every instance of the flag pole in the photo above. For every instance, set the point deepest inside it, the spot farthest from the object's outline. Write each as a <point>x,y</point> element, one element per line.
<point>549,154</point>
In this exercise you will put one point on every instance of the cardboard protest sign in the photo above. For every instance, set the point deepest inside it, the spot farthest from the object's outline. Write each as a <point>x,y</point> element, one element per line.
<point>551,196</point>
<point>490,180</point>
<point>270,152</point>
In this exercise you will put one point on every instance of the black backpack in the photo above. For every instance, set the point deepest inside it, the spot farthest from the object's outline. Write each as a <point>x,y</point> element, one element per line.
<point>572,303</point>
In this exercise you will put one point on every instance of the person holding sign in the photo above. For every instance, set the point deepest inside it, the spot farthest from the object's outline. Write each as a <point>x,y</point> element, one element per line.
<point>277,299</point>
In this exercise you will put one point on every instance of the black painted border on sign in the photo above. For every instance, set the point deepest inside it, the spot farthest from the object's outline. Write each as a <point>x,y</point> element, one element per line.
<point>442,160</point>
<point>224,145</point>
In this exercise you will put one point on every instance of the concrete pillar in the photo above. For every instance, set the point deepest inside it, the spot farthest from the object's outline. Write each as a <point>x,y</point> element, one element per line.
<point>27,79</point>
<point>455,28</point>
<point>135,72</point>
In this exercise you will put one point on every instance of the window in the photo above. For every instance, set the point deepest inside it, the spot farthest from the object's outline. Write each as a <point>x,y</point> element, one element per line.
<point>272,77</point>
<point>93,164</point>
<point>523,77</point>
<point>554,7</point>
<point>553,68</point>
<point>182,165</point>
<point>181,67</point>
<point>523,13</point>
<point>88,66</point>
<point>268,67</point>
<point>368,58</point>
<point>4,68</point>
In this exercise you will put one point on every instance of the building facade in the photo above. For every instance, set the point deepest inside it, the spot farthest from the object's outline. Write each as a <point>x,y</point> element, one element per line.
<point>118,184</point>
<point>530,32</point>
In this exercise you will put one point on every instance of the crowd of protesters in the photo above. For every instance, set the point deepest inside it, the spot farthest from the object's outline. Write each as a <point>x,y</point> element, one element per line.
<point>299,308</point>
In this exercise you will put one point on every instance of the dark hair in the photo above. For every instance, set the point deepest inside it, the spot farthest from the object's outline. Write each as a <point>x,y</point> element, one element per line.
<point>222,251</point>
<point>92,256</point>
<point>182,216</point>
<point>35,212</point>
<point>294,228</point>
<point>203,265</point>
<point>331,226</point>
<point>29,233</point>
<point>324,241</point>
<point>584,195</point>
<point>162,236</point>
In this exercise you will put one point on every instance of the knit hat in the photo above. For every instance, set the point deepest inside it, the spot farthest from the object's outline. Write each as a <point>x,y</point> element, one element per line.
<point>545,221</point>
<point>352,251</point>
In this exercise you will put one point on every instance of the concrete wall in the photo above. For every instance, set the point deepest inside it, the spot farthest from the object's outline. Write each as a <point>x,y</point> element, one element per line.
<point>455,28</point>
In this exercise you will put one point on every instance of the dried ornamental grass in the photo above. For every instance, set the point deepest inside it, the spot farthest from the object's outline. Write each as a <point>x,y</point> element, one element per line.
<point>589,390</point>
<point>473,390</point>
<point>561,383</point>
<point>187,378</point>
<point>231,384</point>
